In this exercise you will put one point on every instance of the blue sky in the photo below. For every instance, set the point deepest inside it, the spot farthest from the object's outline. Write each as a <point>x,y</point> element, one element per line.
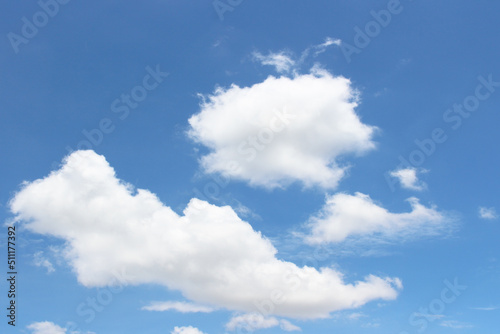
<point>363,139</point>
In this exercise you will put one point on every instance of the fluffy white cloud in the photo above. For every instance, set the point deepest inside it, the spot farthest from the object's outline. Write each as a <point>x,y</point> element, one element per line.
<point>186,330</point>
<point>487,213</point>
<point>208,253</point>
<point>282,130</point>
<point>46,327</point>
<point>253,321</point>
<point>408,178</point>
<point>345,215</point>
<point>282,61</point>
<point>182,307</point>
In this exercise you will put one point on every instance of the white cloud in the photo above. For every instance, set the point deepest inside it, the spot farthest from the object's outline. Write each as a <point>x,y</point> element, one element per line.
<point>371,325</point>
<point>208,253</point>
<point>330,41</point>
<point>344,215</point>
<point>455,324</point>
<point>254,321</point>
<point>251,322</point>
<point>41,261</point>
<point>323,46</point>
<point>288,326</point>
<point>408,178</point>
<point>46,327</point>
<point>182,307</point>
<point>282,61</point>
<point>186,330</point>
<point>282,130</point>
<point>487,213</point>
<point>355,316</point>
<point>489,308</point>
<point>432,317</point>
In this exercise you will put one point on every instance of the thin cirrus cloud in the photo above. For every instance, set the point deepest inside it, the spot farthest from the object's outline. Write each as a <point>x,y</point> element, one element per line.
<point>408,178</point>
<point>208,253</point>
<point>251,322</point>
<point>182,307</point>
<point>344,216</point>
<point>282,130</point>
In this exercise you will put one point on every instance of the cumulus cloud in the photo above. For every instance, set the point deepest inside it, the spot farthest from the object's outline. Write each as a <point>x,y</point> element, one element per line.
<point>186,330</point>
<point>282,61</point>
<point>208,253</point>
<point>282,130</point>
<point>487,213</point>
<point>46,327</point>
<point>41,261</point>
<point>344,215</point>
<point>408,178</point>
<point>182,307</point>
<point>253,321</point>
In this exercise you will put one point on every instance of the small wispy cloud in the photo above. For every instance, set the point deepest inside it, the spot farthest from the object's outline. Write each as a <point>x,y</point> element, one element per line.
<point>429,316</point>
<point>182,307</point>
<point>282,61</point>
<point>455,324</point>
<point>371,325</point>
<point>254,321</point>
<point>487,213</point>
<point>320,48</point>
<point>408,178</point>
<point>490,308</point>
<point>355,316</point>
<point>40,260</point>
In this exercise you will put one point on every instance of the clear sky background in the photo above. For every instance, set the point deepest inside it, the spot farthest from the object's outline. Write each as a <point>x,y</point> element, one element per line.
<point>426,79</point>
